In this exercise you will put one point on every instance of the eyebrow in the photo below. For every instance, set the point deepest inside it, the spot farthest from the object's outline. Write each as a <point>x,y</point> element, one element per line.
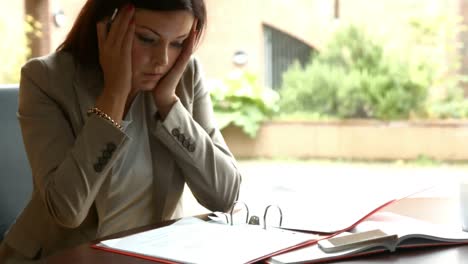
<point>155,32</point>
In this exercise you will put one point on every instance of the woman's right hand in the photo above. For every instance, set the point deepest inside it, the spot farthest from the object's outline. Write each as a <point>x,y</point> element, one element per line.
<point>115,51</point>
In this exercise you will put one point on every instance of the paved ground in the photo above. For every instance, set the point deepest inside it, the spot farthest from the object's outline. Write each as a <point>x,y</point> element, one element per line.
<point>317,182</point>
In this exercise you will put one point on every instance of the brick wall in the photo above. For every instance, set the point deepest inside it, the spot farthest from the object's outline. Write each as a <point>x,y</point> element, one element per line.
<point>237,25</point>
<point>71,8</point>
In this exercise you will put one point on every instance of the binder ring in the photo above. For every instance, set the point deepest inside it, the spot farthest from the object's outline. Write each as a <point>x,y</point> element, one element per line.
<point>246,207</point>
<point>265,215</point>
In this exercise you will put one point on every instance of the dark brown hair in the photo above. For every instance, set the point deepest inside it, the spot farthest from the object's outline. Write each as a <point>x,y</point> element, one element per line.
<point>81,41</point>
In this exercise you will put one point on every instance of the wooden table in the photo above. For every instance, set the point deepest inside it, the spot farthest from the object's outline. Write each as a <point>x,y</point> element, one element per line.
<point>434,209</point>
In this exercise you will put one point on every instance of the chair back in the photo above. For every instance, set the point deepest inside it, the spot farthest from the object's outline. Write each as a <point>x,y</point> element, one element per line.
<point>15,172</point>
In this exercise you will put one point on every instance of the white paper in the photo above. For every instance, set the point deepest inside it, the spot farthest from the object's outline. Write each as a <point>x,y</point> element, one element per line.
<point>192,240</point>
<point>416,232</point>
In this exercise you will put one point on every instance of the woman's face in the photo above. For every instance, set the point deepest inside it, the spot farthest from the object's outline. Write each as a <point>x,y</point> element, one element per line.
<point>158,41</point>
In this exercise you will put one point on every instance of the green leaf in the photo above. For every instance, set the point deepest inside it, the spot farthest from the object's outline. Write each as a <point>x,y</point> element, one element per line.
<point>240,100</point>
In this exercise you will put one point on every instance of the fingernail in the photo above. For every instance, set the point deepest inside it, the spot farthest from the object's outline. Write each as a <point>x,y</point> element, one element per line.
<point>130,7</point>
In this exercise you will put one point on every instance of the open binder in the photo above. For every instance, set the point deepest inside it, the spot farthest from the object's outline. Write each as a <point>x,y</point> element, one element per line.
<point>406,232</point>
<point>326,217</point>
<point>192,240</point>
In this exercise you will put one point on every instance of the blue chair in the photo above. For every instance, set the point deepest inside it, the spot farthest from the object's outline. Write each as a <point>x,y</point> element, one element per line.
<point>15,173</point>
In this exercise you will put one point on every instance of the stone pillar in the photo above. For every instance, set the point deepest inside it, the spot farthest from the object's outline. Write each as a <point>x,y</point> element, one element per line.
<point>39,10</point>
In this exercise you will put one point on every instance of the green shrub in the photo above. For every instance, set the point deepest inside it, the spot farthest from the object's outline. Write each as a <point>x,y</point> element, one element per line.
<point>242,101</point>
<point>452,105</point>
<point>312,89</point>
<point>437,39</point>
<point>353,77</point>
<point>449,109</point>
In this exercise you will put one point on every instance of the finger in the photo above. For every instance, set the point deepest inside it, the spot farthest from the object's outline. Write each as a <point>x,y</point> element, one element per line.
<point>121,23</point>
<point>128,39</point>
<point>180,64</point>
<point>127,19</point>
<point>114,25</point>
<point>189,43</point>
<point>111,19</point>
<point>194,30</point>
<point>101,29</point>
<point>194,36</point>
<point>184,57</point>
<point>193,44</point>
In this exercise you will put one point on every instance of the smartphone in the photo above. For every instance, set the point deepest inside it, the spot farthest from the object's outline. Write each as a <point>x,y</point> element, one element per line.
<point>355,240</point>
<point>111,19</point>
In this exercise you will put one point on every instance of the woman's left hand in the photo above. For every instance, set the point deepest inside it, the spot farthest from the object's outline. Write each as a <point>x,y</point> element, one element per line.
<point>164,92</point>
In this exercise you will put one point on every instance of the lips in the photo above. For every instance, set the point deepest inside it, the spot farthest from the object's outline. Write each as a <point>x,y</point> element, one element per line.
<point>152,76</point>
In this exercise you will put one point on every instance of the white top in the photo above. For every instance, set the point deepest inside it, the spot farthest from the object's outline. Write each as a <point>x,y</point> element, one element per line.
<point>131,181</point>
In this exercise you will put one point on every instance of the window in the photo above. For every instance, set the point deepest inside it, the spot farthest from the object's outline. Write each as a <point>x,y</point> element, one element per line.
<point>281,50</point>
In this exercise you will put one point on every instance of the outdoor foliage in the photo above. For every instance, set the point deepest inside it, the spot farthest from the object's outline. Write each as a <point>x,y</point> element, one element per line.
<point>354,77</point>
<point>242,101</point>
<point>14,49</point>
<point>436,39</point>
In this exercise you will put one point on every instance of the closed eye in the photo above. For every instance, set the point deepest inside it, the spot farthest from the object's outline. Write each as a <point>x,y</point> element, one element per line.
<point>178,44</point>
<point>145,39</point>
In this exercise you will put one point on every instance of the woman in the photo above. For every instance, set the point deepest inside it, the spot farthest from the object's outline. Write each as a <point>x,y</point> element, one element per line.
<point>114,124</point>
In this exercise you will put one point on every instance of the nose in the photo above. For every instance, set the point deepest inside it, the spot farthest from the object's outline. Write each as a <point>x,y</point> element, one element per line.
<point>160,55</point>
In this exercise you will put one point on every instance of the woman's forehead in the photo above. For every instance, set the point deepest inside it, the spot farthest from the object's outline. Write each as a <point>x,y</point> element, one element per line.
<point>164,21</point>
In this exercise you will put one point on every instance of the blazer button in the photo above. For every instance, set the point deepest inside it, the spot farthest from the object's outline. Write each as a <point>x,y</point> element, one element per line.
<point>106,154</point>
<point>175,132</point>
<point>181,138</point>
<point>186,143</point>
<point>102,161</point>
<point>97,167</point>
<point>111,147</point>
<point>191,148</point>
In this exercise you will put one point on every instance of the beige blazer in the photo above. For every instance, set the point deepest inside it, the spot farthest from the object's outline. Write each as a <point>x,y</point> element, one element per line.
<point>71,154</point>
